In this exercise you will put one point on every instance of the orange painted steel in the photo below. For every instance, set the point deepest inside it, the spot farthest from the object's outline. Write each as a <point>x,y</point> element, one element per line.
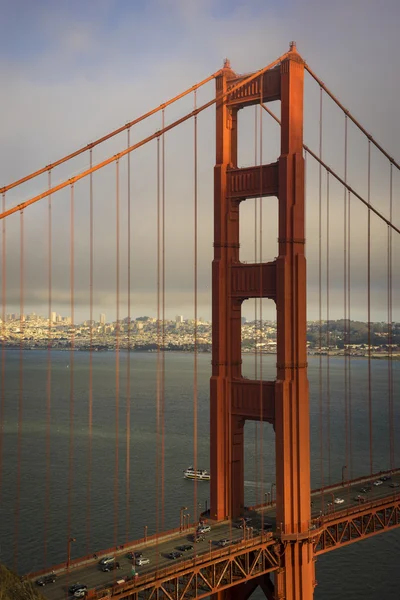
<point>338,178</point>
<point>291,406</point>
<point>128,150</point>
<point>90,146</point>
<point>360,522</point>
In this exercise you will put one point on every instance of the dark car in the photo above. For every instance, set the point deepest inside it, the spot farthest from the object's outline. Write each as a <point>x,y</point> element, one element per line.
<point>174,555</point>
<point>360,498</point>
<point>134,555</point>
<point>46,579</point>
<point>185,547</point>
<point>395,484</point>
<point>76,586</point>
<point>110,566</point>
<point>365,489</point>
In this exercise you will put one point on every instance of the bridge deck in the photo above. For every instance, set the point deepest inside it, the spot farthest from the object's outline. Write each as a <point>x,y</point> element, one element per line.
<point>244,542</point>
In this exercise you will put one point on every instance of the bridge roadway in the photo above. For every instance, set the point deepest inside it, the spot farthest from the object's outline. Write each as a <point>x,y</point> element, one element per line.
<point>89,573</point>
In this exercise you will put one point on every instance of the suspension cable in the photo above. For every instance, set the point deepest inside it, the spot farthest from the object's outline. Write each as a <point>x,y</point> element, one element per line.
<point>195,303</point>
<point>71,372</point>
<point>48,383</point>
<point>128,363</point>
<point>328,380</point>
<point>21,389</point>
<point>390,326</point>
<point>90,407</point>
<point>109,135</point>
<point>144,141</point>
<point>117,356</point>
<point>3,344</point>
<point>349,115</point>
<point>320,387</point>
<point>338,178</point>
<point>369,312</point>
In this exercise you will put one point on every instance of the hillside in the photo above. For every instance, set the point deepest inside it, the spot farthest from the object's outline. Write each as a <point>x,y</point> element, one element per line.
<point>12,588</point>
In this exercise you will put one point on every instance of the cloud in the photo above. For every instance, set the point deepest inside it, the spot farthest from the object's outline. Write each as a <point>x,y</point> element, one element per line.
<point>79,73</point>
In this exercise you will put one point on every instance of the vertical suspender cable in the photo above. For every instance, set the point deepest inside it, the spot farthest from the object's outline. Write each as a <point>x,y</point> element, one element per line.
<point>159,382</point>
<point>117,341</point>
<point>3,345</point>
<point>90,407</point>
<point>260,254</point>
<point>195,267</point>
<point>369,311</point>
<point>345,322</point>
<point>21,390</point>
<point>390,325</point>
<point>163,323</point>
<point>328,338</point>
<point>256,201</point>
<point>128,362</point>
<point>48,394</point>
<point>349,465</point>
<point>320,399</point>
<point>71,370</point>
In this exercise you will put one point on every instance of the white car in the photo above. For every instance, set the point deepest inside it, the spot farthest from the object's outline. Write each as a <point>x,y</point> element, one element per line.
<point>338,501</point>
<point>378,482</point>
<point>142,561</point>
<point>203,529</point>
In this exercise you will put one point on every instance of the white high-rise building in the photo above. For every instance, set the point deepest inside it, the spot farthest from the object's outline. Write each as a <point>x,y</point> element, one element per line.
<point>102,319</point>
<point>179,319</point>
<point>53,316</point>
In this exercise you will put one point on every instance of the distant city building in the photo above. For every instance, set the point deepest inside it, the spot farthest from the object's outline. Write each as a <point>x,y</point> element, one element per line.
<point>53,317</point>
<point>243,320</point>
<point>102,319</point>
<point>179,319</point>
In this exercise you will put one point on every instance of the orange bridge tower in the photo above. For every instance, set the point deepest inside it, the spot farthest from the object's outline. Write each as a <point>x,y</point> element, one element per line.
<point>283,402</point>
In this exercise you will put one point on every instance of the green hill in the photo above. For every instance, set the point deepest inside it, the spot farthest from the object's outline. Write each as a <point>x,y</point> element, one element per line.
<point>12,588</point>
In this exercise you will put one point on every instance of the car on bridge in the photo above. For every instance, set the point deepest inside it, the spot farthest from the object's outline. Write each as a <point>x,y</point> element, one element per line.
<point>223,543</point>
<point>174,555</point>
<point>185,547</point>
<point>338,500</point>
<point>77,587</point>
<point>142,560</point>
<point>365,489</point>
<point>45,579</point>
<point>134,555</point>
<point>198,538</point>
<point>378,482</point>
<point>106,560</point>
<point>394,484</point>
<point>203,529</point>
<point>111,566</point>
<point>360,498</point>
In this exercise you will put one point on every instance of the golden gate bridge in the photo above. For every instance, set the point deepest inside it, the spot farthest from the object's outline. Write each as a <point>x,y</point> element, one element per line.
<point>350,220</point>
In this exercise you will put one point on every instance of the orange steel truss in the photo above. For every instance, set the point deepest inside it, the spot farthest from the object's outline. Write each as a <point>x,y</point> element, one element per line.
<point>204,575</point>
<point>361,522</point>
<point>233,399</point>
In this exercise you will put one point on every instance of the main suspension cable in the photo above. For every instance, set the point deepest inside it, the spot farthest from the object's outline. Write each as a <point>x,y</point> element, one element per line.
<point>350,116</point>
<point>108,136</point>
<point>144,141</point>
<point>338,178</point>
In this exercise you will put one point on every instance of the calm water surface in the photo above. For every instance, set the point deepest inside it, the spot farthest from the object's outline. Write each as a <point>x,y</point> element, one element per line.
<point>66,484</point>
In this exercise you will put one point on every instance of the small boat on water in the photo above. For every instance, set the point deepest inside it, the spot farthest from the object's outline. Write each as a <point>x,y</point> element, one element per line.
<point>201,474</point>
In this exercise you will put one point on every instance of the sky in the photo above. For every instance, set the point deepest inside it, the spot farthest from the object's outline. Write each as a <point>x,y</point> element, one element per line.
<point>73,71</point>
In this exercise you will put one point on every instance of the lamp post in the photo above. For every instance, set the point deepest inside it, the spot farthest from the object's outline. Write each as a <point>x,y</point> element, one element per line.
<point>145,533</point>
<point>70,540</point>
<point>272,488</point>
<point>181,517</point>
<point>344,468</point>
<point>267,497</point>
